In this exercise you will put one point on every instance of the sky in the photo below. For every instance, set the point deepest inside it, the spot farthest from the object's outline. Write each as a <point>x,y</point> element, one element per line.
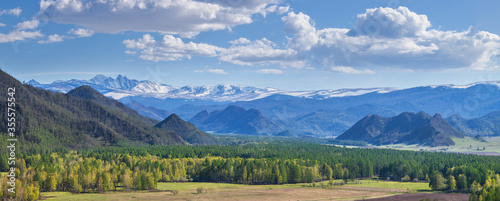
<point>289,45</point>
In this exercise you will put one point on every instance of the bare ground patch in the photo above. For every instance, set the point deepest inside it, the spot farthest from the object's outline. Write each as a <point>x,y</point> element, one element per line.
<point>419,196</point>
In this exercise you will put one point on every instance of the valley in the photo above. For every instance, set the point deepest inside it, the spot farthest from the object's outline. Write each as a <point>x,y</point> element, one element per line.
<point>126,100</point>
<point>92,144</point>
<point>467,145</point>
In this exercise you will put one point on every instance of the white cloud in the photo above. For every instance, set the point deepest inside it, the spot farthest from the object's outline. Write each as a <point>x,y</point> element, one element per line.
<point>392,38</point>
<point>262,52</point>
<point>191,16</point>
<point>130,52</point>
<point>32,24</point>
<point>14,11</point>
<point>382,37</point>
<point>169,48</point>
<point>242,52</point>
<point>52,39</point>
<point>303,28</point>
<point>393,23</point>
<point>240,41</point>
<point>2,24</point>
<point>81,32</point>
<point>283,9</point>
<point>214,71</point>
<point>349,70</point>
<point>19,35</point>
<point>270,71</point>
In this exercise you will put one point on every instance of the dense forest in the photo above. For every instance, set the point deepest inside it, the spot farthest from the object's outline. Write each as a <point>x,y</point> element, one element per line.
<point>140,168</point>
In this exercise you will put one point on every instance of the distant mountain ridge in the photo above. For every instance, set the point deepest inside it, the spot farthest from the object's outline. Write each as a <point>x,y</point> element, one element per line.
<point>487,125</point>
<point>123,87</point>
<point>316,112</point>
<point>234,119</point>
<point>408,128</point>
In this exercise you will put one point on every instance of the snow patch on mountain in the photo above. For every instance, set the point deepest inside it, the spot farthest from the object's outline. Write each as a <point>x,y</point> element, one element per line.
<point>491,83</point>
<point>121,87</point>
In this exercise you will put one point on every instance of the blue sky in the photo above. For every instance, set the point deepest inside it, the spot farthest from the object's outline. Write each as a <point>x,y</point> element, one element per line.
<point>290,45</point>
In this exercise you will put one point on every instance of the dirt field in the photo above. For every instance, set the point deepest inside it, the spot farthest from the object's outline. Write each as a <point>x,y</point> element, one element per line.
<point>419,196</point>
<point>227,195</point>
<point>283,194</point>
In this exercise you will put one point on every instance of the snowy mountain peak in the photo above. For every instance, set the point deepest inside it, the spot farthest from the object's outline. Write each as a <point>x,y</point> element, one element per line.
<point>121,87</point>
<point>99,78</point>
<point>33,82</point>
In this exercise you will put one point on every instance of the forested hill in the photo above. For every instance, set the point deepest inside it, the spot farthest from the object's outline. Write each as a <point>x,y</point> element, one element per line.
<point>80,119</point>
<point>186,130</point>
<point>234,119</point>
<point>407,127</point>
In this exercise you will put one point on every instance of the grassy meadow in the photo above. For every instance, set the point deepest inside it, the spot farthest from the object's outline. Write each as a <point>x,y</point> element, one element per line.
<point>366,189</point>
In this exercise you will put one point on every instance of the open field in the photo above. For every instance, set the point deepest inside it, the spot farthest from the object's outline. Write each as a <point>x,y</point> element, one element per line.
<point>405,186</point>
<point>465,145</point>
<point>223,191</point>
<point>420,196</point>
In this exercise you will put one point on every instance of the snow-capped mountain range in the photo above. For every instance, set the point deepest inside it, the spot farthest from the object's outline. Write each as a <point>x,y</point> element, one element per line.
<point>317,112</point>
<point>121,87</point>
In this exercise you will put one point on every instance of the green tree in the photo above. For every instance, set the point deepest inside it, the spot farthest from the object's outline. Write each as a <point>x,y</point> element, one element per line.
<point>437,181</point>
<point>462,182</point>
<point>452,183</point>
<point>32,193</point>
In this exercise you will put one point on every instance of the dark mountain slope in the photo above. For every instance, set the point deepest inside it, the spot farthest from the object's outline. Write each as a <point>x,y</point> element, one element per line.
<point>433,132</point>
<point>186,130</point>
<point>408,128</point>
<point>83,118</point>
<point>235,119</point>
<point>88,93</point>
<point>366,129</point>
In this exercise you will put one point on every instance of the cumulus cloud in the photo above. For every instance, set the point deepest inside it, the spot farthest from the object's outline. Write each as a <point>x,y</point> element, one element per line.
<point>241,52</point>
<point>31,24</point>
<point>52,39</point>
<point>381,37</point>
<point>214,71</point>
<point>262,52</point>
<point>81,32</point>
<point>303,28</point>
<point>19,35</point>
<point>270,71</point>
<point>392,38</point>
<point>14,11</point>
<point>169,48</point>
<point>191,16</point>
<point>388,22</point>
<point>2,24</point>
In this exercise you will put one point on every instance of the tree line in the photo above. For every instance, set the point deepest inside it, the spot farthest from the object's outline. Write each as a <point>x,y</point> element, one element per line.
<point>141,168</point>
